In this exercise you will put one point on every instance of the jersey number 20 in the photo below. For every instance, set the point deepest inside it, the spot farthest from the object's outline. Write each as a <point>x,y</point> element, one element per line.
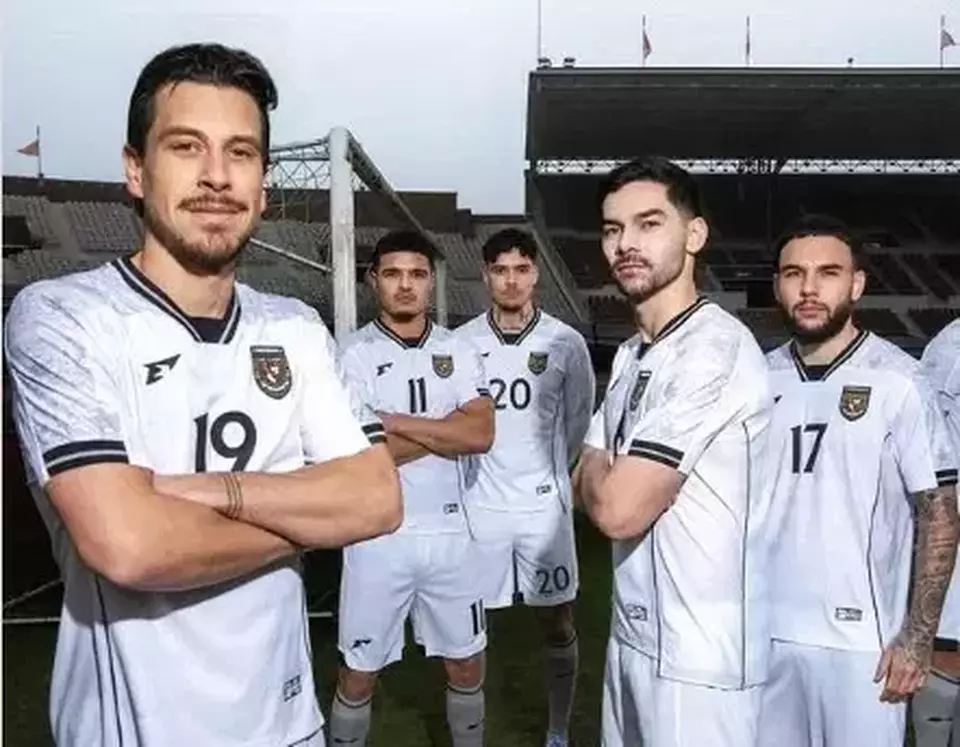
<point>518,393</point>
<point>214,433</point>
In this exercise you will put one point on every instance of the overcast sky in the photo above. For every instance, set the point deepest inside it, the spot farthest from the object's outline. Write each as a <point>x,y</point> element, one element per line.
<point>435,90</point>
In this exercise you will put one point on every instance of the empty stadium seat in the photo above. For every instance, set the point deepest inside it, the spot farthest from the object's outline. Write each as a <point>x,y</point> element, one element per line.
<point>933,320</point>
<point>895,275</point>
<point>882,321</point>
<point>931,276</point>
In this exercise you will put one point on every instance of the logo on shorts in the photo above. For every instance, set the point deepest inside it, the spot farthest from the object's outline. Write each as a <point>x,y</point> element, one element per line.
<point>854,401</point>
<point>638,389</point>
<point>636,612</point>
<point>451,508</point>
<point>848,614</point>
<point>443,366</point>
<point>360,643</point>
<point>544,489</point>
<point>537,363</point>
<point>271,370</point>
<point>292,688</point>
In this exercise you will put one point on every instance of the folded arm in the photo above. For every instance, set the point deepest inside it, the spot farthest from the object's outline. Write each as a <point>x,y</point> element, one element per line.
<point>467,430</point>
<point>331,504</point>
<point>136,536</point>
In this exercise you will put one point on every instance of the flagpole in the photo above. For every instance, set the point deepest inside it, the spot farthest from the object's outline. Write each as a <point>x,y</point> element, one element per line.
<point>746,51</point>
<point>643,40</point>
<point>943,28</point>
<point>539,30</point>
<point>39,155</point>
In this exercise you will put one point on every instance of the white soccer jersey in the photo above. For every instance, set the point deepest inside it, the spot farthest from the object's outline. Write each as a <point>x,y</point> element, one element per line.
<point>941,366</point>
<point>849,443</point>
<point>106,368</point>
<point>542,382</point>
<point>691,592</point>
<point>428,377</point>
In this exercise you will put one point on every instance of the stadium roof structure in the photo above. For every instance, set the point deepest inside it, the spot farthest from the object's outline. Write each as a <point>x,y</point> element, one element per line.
<point>777,114</point>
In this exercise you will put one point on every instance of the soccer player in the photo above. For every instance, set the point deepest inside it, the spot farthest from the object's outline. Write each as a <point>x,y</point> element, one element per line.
<point>936,706</point>
<point>431,393</point>
<point>166,414</point>
<point>667,474</point>
<point>859,460</point>
<point>519,502</point>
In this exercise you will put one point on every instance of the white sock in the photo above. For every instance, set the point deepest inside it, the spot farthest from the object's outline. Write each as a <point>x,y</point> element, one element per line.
<point>561,675</point>
<point>350,721</point>
<point>465,715</point>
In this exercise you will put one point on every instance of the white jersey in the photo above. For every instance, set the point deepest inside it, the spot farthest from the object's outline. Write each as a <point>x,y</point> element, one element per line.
<point>691,592</point>
<point>542,383</point>
<point>941,367</point>
<point>849,443</point>
<point>106,368</point>
<point>428,377</point>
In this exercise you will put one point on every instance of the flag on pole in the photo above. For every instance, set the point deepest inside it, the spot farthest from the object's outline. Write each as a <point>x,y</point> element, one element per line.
<point>946,39</point>
<point>647,46</point>
<point>30,149</point>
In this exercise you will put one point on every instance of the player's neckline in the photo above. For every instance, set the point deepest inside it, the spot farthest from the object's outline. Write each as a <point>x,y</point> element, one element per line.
<point>143,286</point>
<point>513,338</point>
<point>417,343</point>
<point>821,372</point>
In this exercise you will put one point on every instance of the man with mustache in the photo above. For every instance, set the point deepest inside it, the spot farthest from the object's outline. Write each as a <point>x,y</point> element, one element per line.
<point>936,706</point>
<point>430,390</point>
<point>667,472</point>
<point>519,500</point>
<point>186,438</point>
<point>864,478</point>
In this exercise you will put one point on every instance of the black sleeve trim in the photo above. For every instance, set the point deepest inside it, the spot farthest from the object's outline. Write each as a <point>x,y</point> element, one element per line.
<point>83,453</point>
<point>483,391</point>
<point>375,433</point>
<point>656,452</point>
<point>372,428</point>
<point>380,438</point>
<point>946,477</point>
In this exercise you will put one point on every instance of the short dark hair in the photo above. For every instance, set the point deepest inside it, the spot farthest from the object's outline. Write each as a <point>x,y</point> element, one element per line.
<point>507,240</point>
<point>404,241</point>
<point>682,189</point>
<point>213,64</point>
<point>815,224</point>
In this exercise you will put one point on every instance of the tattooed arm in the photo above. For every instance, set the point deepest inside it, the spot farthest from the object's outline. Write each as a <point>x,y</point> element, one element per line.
<point>906,661</point>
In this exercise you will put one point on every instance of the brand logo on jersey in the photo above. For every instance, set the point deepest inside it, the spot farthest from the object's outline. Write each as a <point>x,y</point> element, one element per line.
<point>854,401</point>
<point>383,368</point>
<point>848,614</point>
<point>443,366</point>
<point>636,612</point>
<point>156,371</point>
<point>271,370</point>
<point>451,508</point>
<point>638,389</point>
<point>292,688</point>
<point>537,363</point>
<point>360,643</point>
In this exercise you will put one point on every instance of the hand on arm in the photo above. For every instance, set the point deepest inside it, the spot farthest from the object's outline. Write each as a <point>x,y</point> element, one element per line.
<point>905,663</point>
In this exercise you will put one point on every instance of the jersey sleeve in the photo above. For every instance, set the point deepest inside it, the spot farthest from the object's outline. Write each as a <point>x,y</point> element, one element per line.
<point>337,421</point>
<point>940,366</point>
<point>696,401</point>
<point>579,393</point>
<point>471,376</point>
<point>67,404</point>
<point>921,443</point>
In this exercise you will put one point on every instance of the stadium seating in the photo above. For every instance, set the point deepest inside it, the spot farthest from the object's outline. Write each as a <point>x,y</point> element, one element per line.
<point>764,323</point>
<point>933,320</point>
<point>584,259</point>
<point>34,209</point>
<point>924,267</point>
<point>950,265</point>
<point>895,274</point>
<point>99,227</point>
<point>882,321</point>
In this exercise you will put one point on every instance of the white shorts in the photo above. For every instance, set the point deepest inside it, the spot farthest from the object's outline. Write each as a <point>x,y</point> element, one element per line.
<point>528,557</point>
<point>639,707</point>
<point>935,711</point>
<point>431,578</point>
<point>823,696</point>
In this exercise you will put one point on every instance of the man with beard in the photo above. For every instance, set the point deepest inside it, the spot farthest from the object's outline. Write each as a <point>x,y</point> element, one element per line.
<point>668,474</point>
<point>431,393</point>
<point>166,414</point>
<point>862,469</point>
<point>519,500</point>
<point>936,707</point>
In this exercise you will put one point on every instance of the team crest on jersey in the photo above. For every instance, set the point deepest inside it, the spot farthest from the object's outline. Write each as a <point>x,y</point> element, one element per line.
<point>638,389</point>
<point>443,366</point>
<point>854,401</point>
<point>271,370</point>
<point>537,363</point>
